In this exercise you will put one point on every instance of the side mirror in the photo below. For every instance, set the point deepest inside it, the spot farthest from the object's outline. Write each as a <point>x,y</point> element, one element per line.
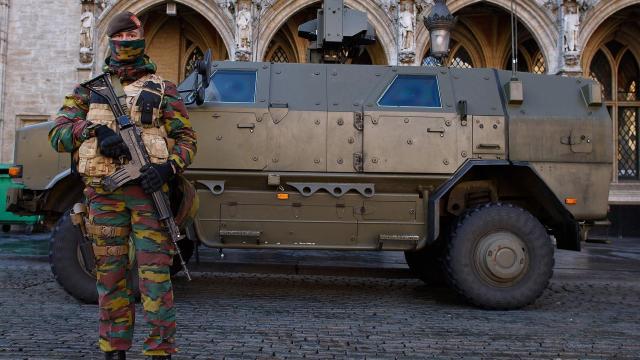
<point>202,78</point>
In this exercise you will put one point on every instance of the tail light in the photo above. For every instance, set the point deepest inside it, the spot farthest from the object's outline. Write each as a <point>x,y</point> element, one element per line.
<point>15,171</point>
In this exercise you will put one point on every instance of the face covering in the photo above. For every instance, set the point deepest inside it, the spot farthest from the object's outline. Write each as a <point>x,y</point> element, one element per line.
<point>126,51</point>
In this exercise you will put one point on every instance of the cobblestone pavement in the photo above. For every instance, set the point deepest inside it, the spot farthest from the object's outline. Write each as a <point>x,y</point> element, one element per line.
<point>591,310</point>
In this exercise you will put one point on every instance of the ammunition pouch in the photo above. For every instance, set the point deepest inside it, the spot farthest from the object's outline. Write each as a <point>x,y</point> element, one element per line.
<point>148,104</point>
<point>117,250</point>
<point>104,231</point>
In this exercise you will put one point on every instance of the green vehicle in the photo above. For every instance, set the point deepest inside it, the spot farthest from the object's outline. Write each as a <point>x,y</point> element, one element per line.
<point>476,176</point>
<point>7,218</point>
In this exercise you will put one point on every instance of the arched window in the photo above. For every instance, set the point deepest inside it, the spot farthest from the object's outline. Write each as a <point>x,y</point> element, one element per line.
<point>279,56</point>
<point>616,69</point>
<point>461,59</point>
<point>195,55</point>
<point>539,66</point>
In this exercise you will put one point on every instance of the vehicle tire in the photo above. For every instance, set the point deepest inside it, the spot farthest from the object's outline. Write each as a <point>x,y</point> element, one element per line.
<point>427,264</point>
<point>67,264</point>
<point>499,257</point>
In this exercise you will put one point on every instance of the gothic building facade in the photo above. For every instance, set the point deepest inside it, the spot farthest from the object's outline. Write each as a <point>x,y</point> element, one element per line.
<point>48,46</point>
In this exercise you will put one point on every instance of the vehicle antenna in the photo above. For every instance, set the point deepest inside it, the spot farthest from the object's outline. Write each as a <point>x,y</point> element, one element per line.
<point>514,40</point>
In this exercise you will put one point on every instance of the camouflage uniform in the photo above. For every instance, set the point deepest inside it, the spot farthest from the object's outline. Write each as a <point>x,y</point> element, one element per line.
<point>128,209</point>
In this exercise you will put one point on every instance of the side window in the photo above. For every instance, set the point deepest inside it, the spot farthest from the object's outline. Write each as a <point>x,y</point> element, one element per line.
<point>412,91</point>
<point>232,86</point>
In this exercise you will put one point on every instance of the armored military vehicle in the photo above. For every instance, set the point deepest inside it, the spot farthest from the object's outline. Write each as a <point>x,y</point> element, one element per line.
<point>476,174</point>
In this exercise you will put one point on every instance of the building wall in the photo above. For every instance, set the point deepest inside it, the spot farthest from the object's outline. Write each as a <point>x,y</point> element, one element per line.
<point>43,42</point>
<point>41,65</point>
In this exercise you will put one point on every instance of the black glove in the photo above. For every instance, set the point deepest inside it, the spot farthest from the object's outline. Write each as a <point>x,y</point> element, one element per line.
<point>111,144</point>
<point>154,175</point>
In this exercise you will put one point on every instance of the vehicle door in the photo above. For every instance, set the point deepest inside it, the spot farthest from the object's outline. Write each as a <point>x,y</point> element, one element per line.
<point>411,125</point>
<point>230,124</point>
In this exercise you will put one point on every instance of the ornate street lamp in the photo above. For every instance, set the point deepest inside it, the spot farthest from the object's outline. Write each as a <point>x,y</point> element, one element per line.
<point>439,22</point>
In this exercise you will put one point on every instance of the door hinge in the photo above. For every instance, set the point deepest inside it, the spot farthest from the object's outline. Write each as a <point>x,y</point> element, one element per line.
<point>358,162</point>
<point>358,121</point>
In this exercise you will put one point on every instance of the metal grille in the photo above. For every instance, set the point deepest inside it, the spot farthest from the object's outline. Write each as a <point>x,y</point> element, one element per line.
<point>462,59</point>
<point>539,66</point>
<point>279,56</point>
<point>628,143</point>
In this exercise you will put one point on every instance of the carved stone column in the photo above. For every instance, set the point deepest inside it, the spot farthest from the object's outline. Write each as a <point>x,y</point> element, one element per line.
<point>406,30</point>
<point>4,30</point>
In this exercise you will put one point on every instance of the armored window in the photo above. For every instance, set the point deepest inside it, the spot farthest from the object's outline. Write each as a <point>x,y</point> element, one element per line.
<point>232,86</point>
<point>412,91</point>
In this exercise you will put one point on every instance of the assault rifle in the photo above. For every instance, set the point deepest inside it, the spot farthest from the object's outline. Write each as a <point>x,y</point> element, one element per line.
<point>110,89</point>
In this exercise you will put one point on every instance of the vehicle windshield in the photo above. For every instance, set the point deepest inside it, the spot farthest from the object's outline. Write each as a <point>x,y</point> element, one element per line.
<point>226,86</point>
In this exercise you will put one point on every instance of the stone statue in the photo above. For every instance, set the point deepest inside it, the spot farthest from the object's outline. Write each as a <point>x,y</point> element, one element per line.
<point>244,31</point>
<point>86,31</point>
<point>571,28</point>
<point>406,20</point>
<point>388,6</point>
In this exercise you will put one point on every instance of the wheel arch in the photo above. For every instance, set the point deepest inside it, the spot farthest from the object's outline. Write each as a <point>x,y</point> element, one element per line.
<point>62,192</point>
<point>529,192</point>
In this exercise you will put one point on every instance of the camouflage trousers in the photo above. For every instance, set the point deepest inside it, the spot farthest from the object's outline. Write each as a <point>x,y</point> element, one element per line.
<point>130,206</point>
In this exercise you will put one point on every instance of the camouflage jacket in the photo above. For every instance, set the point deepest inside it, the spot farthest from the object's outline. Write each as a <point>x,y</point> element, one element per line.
<point>71,127</point>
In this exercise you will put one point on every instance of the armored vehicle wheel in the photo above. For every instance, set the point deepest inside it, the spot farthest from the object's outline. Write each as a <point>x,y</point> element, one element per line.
<point>427,264</point>
<point>68,266</point>
<point>499,257</point>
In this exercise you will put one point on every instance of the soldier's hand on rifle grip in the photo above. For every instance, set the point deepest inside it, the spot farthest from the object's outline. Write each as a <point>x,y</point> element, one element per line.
<point>111,144</point>
<point>154,175</point>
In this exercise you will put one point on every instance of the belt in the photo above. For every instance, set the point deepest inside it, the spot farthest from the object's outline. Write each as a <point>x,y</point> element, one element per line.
<point>107,231</point>
<point>110,250</point>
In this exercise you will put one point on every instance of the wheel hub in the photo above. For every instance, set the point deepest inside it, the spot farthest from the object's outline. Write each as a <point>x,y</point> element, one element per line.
<point>502,257</point>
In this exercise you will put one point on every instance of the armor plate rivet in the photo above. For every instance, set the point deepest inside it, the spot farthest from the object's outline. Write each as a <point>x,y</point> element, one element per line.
<point>410,142</point>
<point>351,140</point>
<point>255,158</point>
<point>340,161</point>
<point>317,122</point>
<point>448,122</point>
<point>481,126</point>
<point>445,161</point>
<point>374,160</point>
<point>374,121</point>
<point>317,161</point>
<point>463,154</point>
<point>340,122</point>
<point>495,126</point>
<point>406,120</point>
<point>218,138</point>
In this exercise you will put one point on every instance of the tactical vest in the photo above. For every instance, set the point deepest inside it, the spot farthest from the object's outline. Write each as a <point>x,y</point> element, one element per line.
<point>144,98</point>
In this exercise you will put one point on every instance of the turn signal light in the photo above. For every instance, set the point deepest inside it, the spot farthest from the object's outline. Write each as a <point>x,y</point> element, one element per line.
<point>570,201</point>
<point>283,196</point>
<point>15,171</point>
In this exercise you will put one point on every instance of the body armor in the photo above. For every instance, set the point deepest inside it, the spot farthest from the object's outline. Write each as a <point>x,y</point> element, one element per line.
<point>144,97</point>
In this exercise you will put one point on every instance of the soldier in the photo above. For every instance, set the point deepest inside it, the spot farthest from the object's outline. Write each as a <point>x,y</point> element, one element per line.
<point>86,126</point>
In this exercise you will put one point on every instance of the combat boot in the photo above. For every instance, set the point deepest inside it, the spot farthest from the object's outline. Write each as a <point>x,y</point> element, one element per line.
<point>115,355</point>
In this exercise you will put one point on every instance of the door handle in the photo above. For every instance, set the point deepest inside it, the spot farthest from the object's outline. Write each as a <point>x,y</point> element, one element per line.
<point>489,146</point>
<point>279,105</point>
<point>436,130</point>
<point>247,126</point>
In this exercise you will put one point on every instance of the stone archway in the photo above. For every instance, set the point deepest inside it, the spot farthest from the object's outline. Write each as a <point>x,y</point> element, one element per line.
<point>282,10</point>
<point>530,13</point>
<point>597,15</point>
<point>208,9</point>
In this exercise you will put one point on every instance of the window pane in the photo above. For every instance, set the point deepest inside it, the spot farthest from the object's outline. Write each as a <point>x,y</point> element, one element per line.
<point>539,66</point>
<point>628,143</point>
<point>462,59</point>
<point>412,90</point>
<point>279,56</point>
<point>601,72</point>
<point>193,58</point>
<point>232,86</point>
<point>628,78</point>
